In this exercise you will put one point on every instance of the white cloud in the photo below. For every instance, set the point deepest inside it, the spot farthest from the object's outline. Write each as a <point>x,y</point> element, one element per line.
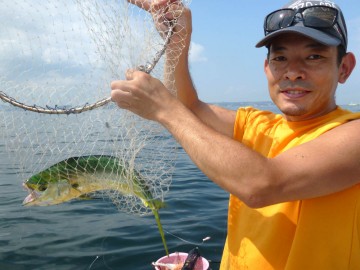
<point>197,53</point>
<point>39,33</point>
<point>71,46</point>
<point>73,33</point>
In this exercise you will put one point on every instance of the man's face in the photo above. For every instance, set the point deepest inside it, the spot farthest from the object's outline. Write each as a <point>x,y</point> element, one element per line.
<point>302,76</point>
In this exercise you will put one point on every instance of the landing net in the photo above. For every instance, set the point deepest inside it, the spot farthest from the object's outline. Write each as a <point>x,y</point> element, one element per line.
<point>57,59</point>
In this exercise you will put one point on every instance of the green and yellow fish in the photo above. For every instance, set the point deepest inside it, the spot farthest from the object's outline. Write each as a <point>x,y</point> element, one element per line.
<point>76,177</point>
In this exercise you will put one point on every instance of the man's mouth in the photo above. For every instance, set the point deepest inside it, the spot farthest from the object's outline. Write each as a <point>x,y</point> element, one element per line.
<point>294,94</point>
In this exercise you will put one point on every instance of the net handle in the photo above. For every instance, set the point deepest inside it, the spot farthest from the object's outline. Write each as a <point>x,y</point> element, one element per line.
<point>147,68</point>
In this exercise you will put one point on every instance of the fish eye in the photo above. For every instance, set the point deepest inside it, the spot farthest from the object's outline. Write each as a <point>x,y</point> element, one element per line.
<point>42,188</point>
<point>76,185</point>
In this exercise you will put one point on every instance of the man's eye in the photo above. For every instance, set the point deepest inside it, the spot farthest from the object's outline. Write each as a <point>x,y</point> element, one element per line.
<point>279,58</point>
<point>314,57</point>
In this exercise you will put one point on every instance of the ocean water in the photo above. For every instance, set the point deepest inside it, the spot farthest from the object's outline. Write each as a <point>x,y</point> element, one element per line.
<point>95,235</point>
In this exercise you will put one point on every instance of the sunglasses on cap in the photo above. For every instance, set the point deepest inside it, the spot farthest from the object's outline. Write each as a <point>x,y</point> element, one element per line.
<point>319,17</point>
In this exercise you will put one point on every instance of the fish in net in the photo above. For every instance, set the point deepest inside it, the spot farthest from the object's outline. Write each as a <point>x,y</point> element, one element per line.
<point>57,59</point>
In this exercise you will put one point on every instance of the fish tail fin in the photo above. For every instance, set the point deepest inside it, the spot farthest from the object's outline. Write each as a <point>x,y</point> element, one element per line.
<point>157,218</point>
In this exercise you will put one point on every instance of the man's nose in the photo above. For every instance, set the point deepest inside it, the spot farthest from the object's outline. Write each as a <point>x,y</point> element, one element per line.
<point>295,71</point>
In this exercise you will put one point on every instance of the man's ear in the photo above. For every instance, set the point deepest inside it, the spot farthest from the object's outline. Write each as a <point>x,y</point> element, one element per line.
<point>266,64</point>
<point>347,65</point>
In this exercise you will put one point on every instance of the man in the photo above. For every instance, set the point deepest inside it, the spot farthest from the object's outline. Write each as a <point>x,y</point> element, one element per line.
<point>293,178</point>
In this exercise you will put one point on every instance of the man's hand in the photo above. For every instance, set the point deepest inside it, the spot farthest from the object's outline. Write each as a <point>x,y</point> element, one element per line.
<point>143,95</point>
<point>165,12</point>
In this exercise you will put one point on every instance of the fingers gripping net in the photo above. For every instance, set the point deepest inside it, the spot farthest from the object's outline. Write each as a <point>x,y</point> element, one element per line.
<point>59,57</point>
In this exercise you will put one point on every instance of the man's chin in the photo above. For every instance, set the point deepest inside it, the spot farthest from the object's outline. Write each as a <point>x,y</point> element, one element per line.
<point>293,112</point>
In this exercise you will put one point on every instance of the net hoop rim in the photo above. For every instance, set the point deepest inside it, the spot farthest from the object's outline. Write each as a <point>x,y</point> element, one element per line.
<point>147,68</point>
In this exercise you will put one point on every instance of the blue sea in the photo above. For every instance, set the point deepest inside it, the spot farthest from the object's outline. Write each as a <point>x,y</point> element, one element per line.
<point>93,234</point>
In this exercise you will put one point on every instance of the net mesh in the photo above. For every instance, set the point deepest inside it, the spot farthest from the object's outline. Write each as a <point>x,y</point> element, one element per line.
<point>61,55</point>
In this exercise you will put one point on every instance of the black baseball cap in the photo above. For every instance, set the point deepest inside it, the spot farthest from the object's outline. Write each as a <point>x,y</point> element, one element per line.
<point>332,36</point>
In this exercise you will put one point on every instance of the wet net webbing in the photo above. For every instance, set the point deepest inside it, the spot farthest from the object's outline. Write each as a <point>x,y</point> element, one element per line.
<point>57,60</point>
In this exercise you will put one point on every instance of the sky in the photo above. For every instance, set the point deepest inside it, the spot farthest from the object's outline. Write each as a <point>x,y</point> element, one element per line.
<point>224,63</point>
<point>226,66</point>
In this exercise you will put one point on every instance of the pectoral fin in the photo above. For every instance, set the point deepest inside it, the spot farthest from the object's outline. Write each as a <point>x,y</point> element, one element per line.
<point>87,197</point>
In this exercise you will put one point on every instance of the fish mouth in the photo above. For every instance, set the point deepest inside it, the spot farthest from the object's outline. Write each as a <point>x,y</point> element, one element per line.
<point>33,195</point>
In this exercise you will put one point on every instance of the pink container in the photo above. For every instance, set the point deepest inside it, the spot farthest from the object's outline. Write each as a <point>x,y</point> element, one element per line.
<point>179,258</point>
